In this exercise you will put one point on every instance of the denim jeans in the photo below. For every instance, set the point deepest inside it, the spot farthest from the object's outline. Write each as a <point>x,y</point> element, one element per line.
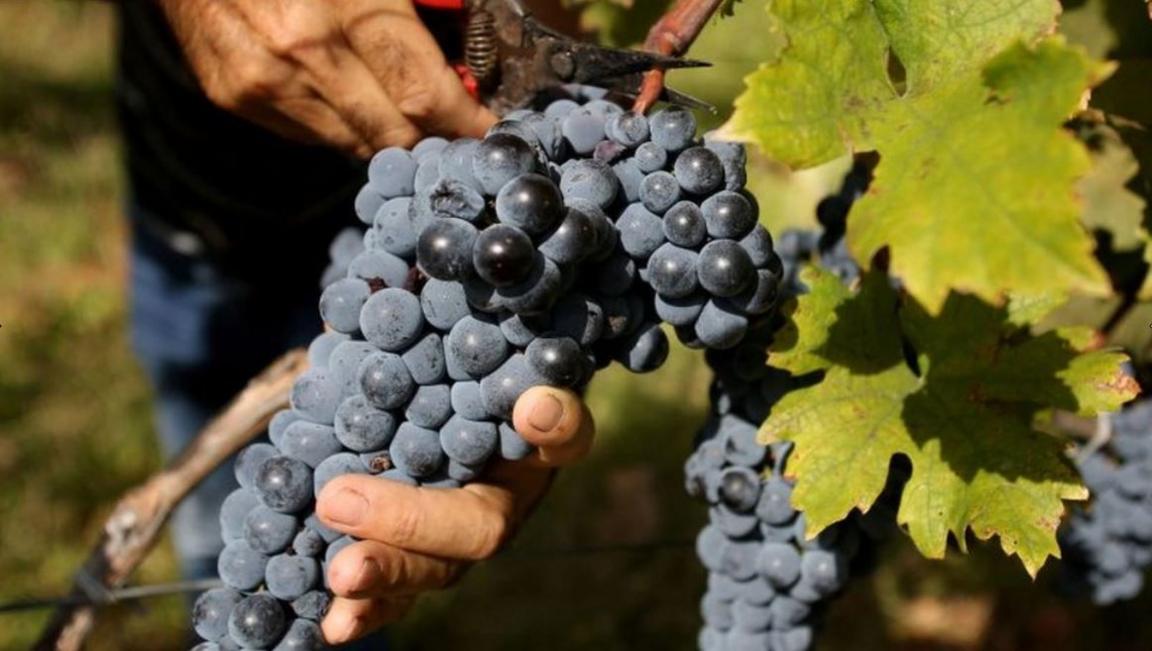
<point>201,332</point>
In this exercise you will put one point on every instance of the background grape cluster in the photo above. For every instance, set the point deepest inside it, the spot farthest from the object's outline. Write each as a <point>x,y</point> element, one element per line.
<point>1107,544</point>
<point>766,584</point>
<point>534,256</point>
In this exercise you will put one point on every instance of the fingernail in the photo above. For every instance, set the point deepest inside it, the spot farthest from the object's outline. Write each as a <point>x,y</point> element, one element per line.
<point>346,507</point>
<point>340,627</point>
<point>546,413</point>
<point>368,576</point>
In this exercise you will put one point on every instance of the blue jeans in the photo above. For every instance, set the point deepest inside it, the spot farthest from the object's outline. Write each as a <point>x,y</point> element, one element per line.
<point>201,331</point>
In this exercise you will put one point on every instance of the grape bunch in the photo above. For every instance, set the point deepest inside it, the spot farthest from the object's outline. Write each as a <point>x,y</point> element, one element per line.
<point>1107,546</point>
<point>534,256</point>
<point>766,583</point>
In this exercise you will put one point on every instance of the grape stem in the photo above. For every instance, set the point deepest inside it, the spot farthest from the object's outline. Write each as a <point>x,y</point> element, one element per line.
<point>137,520</point>
<point>672,35</point>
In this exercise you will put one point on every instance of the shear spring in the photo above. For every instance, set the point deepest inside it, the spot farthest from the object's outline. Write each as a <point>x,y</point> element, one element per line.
<point>480,45</point>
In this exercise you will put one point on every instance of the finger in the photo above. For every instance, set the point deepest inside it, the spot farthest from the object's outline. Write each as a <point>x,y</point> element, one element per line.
<point>310,121</point>
<point>557,421</point>
<point>372,569</point>
<point>357,96</point>
<point>407,61</point>
<point>349,619</point>
<point>469,523</point>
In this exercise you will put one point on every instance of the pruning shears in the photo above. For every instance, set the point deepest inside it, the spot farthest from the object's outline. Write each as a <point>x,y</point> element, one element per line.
<point>509,59</point>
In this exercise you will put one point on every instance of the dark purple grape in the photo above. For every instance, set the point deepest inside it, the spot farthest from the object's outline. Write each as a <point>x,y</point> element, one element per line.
<point>499,158</point>
<point>532,203</point>
<point>698,170</point>
<point>728,215</point>
<point>444,250</point>
<point>559,360</point>
<point>503,255</point>
<point>684,225</point>
<point>724,268</point>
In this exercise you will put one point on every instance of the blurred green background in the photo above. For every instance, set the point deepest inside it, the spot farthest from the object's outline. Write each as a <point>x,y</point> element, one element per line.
<point>607,561</point>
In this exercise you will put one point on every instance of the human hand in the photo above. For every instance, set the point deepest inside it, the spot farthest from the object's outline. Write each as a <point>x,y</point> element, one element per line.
<point>357,75</point>
<point>419,539</point>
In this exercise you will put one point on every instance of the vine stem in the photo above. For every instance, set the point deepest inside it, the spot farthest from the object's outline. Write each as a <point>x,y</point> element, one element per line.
<point>672,35</point>
<point>137,520</point>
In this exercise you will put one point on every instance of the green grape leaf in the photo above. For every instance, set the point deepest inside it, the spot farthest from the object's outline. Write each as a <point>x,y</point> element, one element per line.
<point>848,61</point>
<point>956,393</point>
<point>976,188</point>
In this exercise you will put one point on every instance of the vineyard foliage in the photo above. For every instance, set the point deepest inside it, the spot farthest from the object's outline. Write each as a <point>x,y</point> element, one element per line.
<point>985,214</point>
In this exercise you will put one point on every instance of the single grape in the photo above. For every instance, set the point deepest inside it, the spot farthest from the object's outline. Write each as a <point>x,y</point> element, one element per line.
<point>627,128</point>
<point>430,406</point>
<point>659,191</point>
<point>309,442</point>
<point>456,161</point>
<point>728,215</point>
<point>467,401</point>
<point>698,170</point>
<point>724,268</point>
<point>681,312</point>
<point>583,128</point>
<point>288,577</point>
<point>341,302</point>
<point>589,180</point>
<point>443,303</point>
<point>391,172</point>
<point>476,346</point>
<point>234,510</point>
<point>503,255</point>
<point>452,198</point>
<point>444,249</point>
<point>641,231</point>
<point>258,621</point>
<point>672,128</point>
<point>719,327</point>
<point>429,146</point>
<point>672,271</point>
<point>651,157</point>
<point>499,158</point>
<point>393,227</point>
<point>385,380</point>
<point>315,395</point>
<point>268,531</point>
<point>532,203</point>
<point>211,611</point>
<point>379,269</point>
<point>249,460</point>
<point>425,360</point>
<point>312,605</point>
<point>416,450</point>
<point>684,225</point>
<point>240,566</point>
<point>501,388</point>
<point>318,353</point>
<point>361,427</point>
<point>469,442</point>
<point>559,360</point>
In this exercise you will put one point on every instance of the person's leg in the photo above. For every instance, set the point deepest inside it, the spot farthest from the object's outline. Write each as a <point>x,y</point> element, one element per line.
<point>201,334</point>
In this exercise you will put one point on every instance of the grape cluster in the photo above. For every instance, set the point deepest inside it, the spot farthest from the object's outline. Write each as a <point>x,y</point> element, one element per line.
<point>1107,546</point>
<point>534,256</point>
<point>766,583</point>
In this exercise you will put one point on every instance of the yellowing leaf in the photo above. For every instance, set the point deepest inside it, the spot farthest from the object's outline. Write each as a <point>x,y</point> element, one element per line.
<point>848,60</point>
<point>976,186</point>
<point>961,412</point>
